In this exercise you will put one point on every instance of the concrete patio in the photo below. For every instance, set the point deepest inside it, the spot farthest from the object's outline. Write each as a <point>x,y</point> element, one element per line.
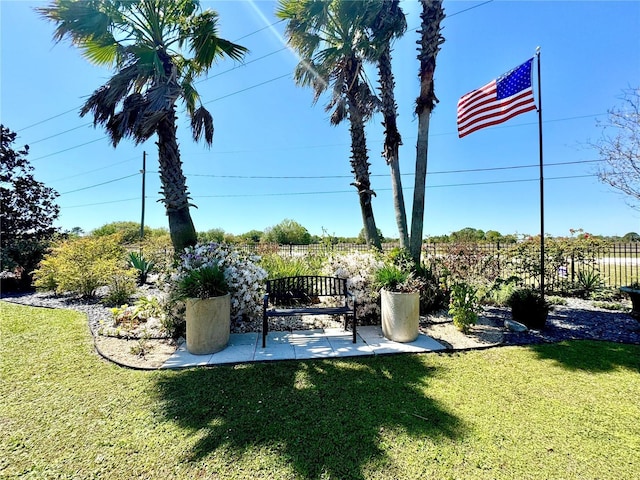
<point>303,344</point>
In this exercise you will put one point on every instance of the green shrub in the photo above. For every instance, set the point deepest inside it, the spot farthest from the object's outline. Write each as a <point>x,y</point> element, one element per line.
<point>81,265</point>
<point>401,258</point>
<point>130,316</point>
<point>278,266</point>
<point>129,232</point>
<point>611,306</point>
<point>589,281</point>
<point>606,294</point>
<point>528,307</point>
<point>159,251</point>
<point>499,293</point>
<point>143,266</point>
<point>204,282</point>
<point>391,278</point>
<point>121,287</point>
<point>463,306</point>
<point>556,300</point>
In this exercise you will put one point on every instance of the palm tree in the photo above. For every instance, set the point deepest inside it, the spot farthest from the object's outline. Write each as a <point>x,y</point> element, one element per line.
<point>430,41</point>
<point>332,44</point>
<point>390,23</point>
<point>157,49</point>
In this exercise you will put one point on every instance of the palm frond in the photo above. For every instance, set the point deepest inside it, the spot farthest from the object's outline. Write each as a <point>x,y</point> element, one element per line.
<point>162,97</point>
<point>206,45</point>
<point>97,103</point>
<point>104,51</point>
<point>339,113</point>
<point>78,21</point>
<point>189,93</point>
<point>202,123</point>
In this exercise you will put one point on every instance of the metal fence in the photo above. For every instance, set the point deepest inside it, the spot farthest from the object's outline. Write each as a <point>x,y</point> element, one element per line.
<point>615,264</point>
<point>315,248</point>
<point>566,264</point>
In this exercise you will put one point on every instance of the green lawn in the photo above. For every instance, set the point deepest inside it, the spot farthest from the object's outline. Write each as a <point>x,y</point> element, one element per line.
<point>556,411</point>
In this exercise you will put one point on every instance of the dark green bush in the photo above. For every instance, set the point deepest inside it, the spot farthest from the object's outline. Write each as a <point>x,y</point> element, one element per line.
<point>528,307</point>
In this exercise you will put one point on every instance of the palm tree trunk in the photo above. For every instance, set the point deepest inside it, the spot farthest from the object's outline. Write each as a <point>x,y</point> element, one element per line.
<point>417,217</point>
<point>174,186</point>
<point>392,142</point>
<point>360,168</point>
<point>430,41</point>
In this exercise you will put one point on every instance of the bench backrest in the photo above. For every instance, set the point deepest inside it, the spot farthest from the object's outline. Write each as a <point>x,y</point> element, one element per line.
<point>305,289</point>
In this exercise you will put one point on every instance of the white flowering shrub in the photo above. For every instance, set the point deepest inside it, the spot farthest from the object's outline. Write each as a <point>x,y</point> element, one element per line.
<point>358,268</point>
<point>242,273</point>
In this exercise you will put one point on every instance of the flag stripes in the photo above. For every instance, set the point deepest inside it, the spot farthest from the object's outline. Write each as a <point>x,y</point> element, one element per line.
<point>496,102</point>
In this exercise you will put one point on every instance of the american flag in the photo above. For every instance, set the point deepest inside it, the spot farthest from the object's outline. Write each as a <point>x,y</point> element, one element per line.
<point>498,101</point>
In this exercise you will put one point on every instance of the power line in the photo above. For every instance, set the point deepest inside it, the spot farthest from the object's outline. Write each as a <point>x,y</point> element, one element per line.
<point>102,203</point>
<point>243,64</point>
<point>60,133</point>
<point>99,184</point>
<point>47,119</point>
<point>319,177</point>
<point>495,182</point>
<point>67,149</point>
<point>259,30</point>
<point>94,170</point>
<point>329,145</point>
<point>285,194</point>
<point>343,176</point>
<point>248,88</point>
<point>467,9</point>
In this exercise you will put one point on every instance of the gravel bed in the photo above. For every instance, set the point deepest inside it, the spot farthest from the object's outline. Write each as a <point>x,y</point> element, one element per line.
<point>579,319</point>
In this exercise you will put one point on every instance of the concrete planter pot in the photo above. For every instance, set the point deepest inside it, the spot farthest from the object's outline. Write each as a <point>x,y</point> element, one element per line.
<point>400,315</point>
<point>208,324</point>
<point>634,296</point>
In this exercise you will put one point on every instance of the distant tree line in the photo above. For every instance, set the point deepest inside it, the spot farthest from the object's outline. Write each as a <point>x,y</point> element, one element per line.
<point>290,232</point>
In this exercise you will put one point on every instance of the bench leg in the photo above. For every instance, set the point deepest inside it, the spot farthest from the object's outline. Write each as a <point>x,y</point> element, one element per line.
<point>353,324</point>
<point>265,328</point>
<point>353,327</point>
<point>354,321</point>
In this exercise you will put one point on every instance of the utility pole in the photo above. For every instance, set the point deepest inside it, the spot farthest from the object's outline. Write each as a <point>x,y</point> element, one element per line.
<point>143,171</point>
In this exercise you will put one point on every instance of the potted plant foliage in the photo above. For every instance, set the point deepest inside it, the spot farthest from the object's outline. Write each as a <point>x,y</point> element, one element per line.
<point>633,291</point>
<point>399,303</point>
<point>206,293</point>
<point>529,308</point>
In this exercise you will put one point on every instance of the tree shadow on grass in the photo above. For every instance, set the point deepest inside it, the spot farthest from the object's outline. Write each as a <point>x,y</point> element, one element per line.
<point>590,355</point>
<point>322,417</point>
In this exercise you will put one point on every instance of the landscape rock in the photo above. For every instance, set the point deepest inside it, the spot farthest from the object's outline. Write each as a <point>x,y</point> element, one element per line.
<point>514,326</point>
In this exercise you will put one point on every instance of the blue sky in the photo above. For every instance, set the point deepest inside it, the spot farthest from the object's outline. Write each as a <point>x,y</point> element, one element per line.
<point>266,126</point>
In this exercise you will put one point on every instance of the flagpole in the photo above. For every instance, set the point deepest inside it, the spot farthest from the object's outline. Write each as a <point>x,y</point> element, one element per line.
<point>541,177</point>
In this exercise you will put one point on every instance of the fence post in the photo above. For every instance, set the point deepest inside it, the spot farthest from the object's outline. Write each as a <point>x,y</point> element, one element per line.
<point>573,267</point>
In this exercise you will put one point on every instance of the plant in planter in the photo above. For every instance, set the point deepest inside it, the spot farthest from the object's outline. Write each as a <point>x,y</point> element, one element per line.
<point>399,303</point>
<point>463,306</point>
<point>633,291</point>
<point>208,313</point>
<point>529,308</point>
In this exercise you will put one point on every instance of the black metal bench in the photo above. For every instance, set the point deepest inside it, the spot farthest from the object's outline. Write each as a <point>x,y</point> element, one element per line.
<point>301,296</point>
